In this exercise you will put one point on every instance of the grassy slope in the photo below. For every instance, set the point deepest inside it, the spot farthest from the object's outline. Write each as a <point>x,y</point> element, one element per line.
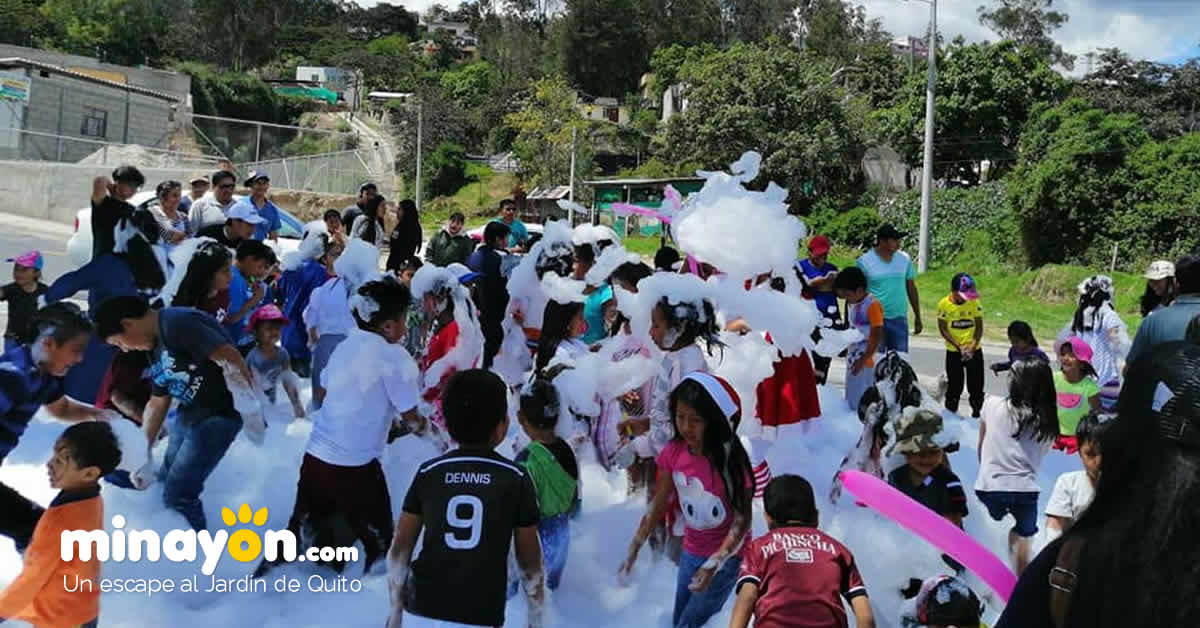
<point>1045,298</point>
<point>479,200</point>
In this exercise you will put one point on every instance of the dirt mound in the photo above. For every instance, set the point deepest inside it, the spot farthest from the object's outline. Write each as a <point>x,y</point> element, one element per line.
<point>310,205</point>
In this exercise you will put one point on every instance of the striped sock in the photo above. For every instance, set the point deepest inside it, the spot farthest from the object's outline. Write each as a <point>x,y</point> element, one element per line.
<point>762,475</point>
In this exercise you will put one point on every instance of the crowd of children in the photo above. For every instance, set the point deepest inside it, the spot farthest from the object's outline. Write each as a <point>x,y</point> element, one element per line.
<point>405,354</point>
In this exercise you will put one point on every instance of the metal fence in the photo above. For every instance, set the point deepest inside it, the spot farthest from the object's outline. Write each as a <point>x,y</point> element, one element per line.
<point>247,141</point>
<point>23,145</point>
<point>335,173</point>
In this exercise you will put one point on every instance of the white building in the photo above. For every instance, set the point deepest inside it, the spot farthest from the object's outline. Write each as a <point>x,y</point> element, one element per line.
<point>344,82</point>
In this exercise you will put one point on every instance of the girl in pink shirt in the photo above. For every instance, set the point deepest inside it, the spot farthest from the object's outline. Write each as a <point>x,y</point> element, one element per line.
<point>706,468</point>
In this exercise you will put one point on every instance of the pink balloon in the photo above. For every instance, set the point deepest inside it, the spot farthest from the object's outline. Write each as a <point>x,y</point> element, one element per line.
<point>932,527</point>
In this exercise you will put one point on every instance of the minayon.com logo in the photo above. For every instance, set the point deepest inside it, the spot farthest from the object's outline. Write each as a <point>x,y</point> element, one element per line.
<point>186,546</point>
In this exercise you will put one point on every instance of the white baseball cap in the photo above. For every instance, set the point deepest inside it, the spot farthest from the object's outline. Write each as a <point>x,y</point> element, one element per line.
<point>1160,270</point>
<point>244,212</point>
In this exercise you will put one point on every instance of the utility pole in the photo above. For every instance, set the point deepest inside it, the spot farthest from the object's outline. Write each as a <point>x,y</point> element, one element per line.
<point>420,123</point>
<point>927,168</point>
<point>571,192</point>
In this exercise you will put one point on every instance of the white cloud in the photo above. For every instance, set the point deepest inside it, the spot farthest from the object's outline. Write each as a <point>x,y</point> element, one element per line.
<point>1144,29</point>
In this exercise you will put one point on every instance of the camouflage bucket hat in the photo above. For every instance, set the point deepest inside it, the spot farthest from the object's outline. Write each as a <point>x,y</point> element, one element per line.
<point>917,430</point>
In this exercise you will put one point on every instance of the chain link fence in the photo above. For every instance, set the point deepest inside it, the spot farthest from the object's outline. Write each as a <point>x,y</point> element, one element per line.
<point>248,141</point>
<point>320,155</point>
<point>335,173</point>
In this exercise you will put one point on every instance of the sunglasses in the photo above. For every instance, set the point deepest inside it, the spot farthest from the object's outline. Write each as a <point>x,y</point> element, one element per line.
<point>226,186</point>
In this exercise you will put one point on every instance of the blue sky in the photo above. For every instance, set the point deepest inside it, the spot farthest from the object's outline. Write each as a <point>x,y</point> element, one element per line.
<point>1163,30</point>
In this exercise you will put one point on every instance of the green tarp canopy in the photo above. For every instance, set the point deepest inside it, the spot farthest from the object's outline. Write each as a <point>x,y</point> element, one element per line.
<point>312,93</point>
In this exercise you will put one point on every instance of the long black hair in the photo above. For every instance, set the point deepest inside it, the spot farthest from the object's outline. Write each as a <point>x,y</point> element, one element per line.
<point>1022,331</point>
<point>1095,293</point>
<point>410,225</point>
<point>540,403</point>
<point>630,273</point>
<point>374,219</point>
<point>1151,300</point>
<point>1032,399</point>
<point>556,327</point>
<point>693,323</point>
<point>1140,559</point>
<point>722,447</point>
<point>208,260</point>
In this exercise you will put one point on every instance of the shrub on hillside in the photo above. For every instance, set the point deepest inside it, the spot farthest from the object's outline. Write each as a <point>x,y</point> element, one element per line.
<point>854,228</point>
<point>955,213</point>
<point>446,169</point>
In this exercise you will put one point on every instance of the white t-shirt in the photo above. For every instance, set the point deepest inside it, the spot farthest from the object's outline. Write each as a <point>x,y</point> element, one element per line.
<point>328,309</point>
<point>1072,493</point>
<point>1008,463</point>
<point>370,382</point>
<point>570,349</point>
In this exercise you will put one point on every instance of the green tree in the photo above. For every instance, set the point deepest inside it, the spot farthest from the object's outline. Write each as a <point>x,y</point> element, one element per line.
<point>542,133</point>
<point>1029,23</point>
<point>382,20</point>
<point>389,46</point>
<point>985,93</point>
<point>446,169</point>
<point>666,23</point>
<point>604,49</point>
<point>758,20</point>
<point>126,32</point>
<point>1074,169</point>
<point>472,84</point>
<point>775,100</point>
<point>1165,96</point>
<point>21,22</point>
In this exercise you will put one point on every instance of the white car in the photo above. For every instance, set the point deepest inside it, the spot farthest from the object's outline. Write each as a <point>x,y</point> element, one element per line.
<point>532,227</point>
<point>79,246</point>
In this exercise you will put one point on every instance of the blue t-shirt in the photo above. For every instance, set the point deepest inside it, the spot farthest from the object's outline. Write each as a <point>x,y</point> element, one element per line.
<point>271,369</point>
<point>826,302</point>
<point>593,313</point>
<point>240,291</point>
<point>268,212</point>
<point>888,281</point>
<point>181,367</point>
<point>23,389</point>
<point>517,233</point>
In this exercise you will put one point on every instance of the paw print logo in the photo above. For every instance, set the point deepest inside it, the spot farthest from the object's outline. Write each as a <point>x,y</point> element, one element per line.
<point>244,545</point>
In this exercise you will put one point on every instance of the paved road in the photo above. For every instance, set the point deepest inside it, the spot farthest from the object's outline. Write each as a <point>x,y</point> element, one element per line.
<point>928,357</point>
<point>18,234</point>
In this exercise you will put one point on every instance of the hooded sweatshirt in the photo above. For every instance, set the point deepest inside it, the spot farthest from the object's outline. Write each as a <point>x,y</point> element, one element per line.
<point>445,249</point>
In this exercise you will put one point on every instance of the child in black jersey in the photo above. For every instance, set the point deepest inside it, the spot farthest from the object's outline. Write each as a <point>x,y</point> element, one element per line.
<point>470,502</point>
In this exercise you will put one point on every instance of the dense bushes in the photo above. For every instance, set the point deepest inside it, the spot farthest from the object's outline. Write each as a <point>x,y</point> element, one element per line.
<point>854,228</point>
<point>1089,181</point>
<point>955,214</point>
<point>446,169</point>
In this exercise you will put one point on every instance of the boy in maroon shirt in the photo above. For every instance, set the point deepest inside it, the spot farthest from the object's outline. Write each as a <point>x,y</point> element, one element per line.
<point>796,576</point>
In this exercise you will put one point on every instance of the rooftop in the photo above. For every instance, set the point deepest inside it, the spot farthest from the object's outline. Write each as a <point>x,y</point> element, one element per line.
<point>11,62</point>
<point>638,182</point>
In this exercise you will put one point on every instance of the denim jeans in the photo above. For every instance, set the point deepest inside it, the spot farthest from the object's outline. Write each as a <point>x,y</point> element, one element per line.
<point>895,335</point>
<point>194,448</point>
<point>693,609</point>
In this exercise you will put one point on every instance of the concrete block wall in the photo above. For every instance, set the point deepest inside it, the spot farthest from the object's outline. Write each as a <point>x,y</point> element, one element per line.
<point>149,118</point>
<point>56,191</point>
